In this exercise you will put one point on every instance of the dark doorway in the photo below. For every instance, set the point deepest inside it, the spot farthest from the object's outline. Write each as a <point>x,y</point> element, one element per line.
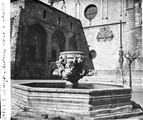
<point>36,44</point>
<point>54,55</point>
<point>33,53</point>
<point>58,40</point>
<point>57,45</point>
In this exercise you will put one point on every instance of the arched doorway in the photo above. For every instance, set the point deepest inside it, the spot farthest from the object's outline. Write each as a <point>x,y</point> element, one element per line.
<point>73,44</point>
<point>57,45</point>
<point>34,51</point>
<point>36,44</point>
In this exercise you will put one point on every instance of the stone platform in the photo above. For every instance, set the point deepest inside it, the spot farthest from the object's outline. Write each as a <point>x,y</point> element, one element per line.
<point>88,102</point>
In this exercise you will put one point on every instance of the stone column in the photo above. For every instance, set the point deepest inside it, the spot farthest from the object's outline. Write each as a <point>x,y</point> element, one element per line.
<point>130,43</point>
<point>48,52</point>
<point>77,9</point>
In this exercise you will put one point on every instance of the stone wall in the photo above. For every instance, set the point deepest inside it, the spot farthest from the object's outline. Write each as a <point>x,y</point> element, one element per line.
<point>43,32</point>
<point>138,34</point>
<point>15,10</point>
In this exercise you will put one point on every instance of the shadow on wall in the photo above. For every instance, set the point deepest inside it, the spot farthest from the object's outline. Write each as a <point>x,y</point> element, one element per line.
<point>85,48</point>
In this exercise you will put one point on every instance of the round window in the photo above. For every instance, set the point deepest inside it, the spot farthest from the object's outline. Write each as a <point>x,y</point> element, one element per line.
<point>90,11</point>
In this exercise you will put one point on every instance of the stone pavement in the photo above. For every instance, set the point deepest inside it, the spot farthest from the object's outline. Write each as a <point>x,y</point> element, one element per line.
<point>137,96</point>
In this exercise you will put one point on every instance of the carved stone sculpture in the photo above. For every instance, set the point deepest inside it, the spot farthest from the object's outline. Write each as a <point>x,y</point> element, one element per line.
<point>105,34</point>
<point>71,66</point>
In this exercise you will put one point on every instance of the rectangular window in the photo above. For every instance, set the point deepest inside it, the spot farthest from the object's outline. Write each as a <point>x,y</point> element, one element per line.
<point>44,14</point>
<point>59,20</point>
<point>71,25</point>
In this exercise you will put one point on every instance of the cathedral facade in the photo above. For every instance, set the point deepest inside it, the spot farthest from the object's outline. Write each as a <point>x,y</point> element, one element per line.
<point>110,26</point>
<point>103,21</point>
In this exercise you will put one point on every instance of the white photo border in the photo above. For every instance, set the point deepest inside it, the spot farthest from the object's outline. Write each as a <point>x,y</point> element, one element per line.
<point>5,82</point>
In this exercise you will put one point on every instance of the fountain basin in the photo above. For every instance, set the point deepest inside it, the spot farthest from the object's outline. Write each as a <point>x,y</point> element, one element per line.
<point>87,101</point>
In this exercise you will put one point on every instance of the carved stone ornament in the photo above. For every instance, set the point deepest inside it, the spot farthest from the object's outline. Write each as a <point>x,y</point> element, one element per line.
<point>105,34</point>
<point>71,66</point>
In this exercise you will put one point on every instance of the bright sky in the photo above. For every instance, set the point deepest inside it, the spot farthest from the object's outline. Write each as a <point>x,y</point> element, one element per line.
<point>45,1</point>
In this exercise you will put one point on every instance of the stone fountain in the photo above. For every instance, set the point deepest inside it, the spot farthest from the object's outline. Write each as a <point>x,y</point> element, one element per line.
<point>71,66</point>
<point>81,101</point>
